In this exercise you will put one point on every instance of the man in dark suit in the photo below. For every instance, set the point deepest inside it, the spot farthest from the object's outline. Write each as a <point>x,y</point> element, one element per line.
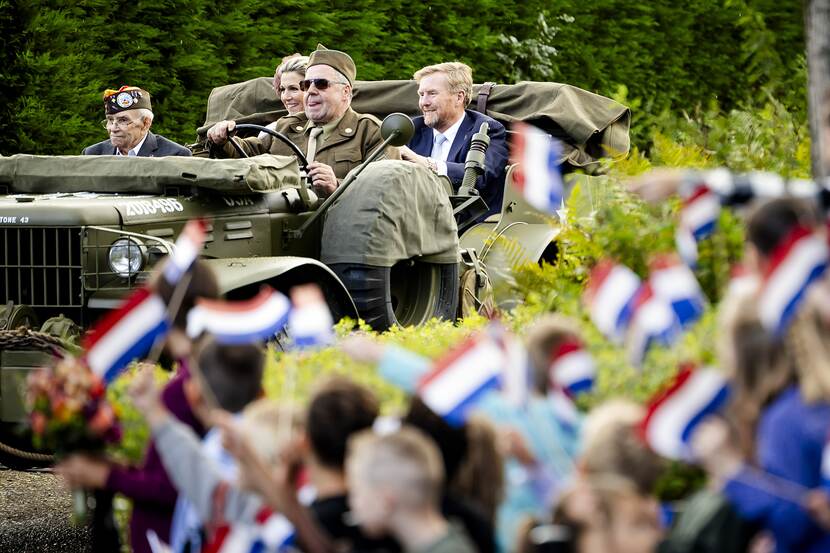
<point>443,134</point>
<point>129,116</point>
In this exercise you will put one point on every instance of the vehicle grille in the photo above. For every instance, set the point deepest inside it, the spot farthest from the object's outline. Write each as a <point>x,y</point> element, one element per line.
<point>41,267</point>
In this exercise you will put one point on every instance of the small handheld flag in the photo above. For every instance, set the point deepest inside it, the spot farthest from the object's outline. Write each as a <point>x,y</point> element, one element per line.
<point>461,377</point>
<point>674,414</point>
<point>676,284</point>
<point>572,368</point>
<point>610,295</point>
<point>310,323</point>
<point>537,174</point>
<point>652,322</point>
<point>188,245</point>
<point>271,533</point>
<point>796,263</point>
<point>239,322</point>
<point>125,334</point>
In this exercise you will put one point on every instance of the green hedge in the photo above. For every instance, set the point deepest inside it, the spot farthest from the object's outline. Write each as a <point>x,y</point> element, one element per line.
<point>58,57</point>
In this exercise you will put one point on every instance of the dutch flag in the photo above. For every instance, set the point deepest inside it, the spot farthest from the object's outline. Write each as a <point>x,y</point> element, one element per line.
<point>462,377</point>
<point>188,245</point>
<point>572,368</point>
<point>653,321</point>
<point>610,295</point>
<point>795,264</point>
<point>537,175</point>
<point>272,533</point>
<point>673,415</point>
<point>240,322</point>
<point>698,220</point>
<point>126,334</point>
<point>310,324</point>
<point>675,283</point>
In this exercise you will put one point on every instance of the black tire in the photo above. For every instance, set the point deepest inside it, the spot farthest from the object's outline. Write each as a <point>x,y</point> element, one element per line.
<point>410,293</point>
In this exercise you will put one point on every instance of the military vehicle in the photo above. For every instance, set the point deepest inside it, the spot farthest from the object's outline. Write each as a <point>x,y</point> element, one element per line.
<point>78,233</point>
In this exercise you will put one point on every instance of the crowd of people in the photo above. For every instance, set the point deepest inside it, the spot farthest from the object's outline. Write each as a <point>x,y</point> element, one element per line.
<point>227,470</point>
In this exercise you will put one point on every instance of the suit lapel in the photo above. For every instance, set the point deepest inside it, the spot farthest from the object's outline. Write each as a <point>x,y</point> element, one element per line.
<point>461,137</point>
<point>422,143</point>
<point>148,149</point>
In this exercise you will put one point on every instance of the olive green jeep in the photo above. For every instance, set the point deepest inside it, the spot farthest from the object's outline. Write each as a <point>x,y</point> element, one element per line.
<point>78,233</point>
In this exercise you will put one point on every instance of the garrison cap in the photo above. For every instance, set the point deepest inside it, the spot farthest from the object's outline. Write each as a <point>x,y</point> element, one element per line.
<point>340,61</point>
<point>126,97</point>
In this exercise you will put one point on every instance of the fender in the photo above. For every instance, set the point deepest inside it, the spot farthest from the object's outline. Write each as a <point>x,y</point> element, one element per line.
<point>241,278</point>
<point>519,235</point>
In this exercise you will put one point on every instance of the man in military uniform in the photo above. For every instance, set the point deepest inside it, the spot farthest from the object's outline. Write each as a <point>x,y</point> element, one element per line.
<point>335,139</point>
<point>129,117</point>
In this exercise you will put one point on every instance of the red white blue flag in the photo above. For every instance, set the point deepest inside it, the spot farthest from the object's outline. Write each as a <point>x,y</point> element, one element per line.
<point>673,414</point>
<point>240,322</point>
<point>272,533</point>
<point>795,264</point>
<point>610,295</point>
<point>698,220</point>
<point>126,334</point>
<point>537,175</point>
<point>675,283</point>
<point>188,245</point>
<point>653,321</point>
<point>462,377</point>
<point>310,323</point>
<point>572,368</point>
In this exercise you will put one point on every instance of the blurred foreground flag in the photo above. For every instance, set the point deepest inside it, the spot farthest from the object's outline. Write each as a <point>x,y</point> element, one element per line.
<point>825,464</point>
<point>537,175</point>
<point>462,376</point>
<point>673,415</point>
<point>310,323</point>
<point>698,220</point>
<point>653,321</point>
<point>572,369</point>
<point>609,296</point>
<point>188,245</point>
<point>799,260</point>
<point>126,334</point>
<point>240,322</point>
<point>272,533</point>
<point>675,283</point>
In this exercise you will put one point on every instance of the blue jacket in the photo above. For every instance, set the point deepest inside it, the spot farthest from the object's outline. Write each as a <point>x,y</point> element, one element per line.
<point>789,443</point>
<point>155,146</point>
<point>491,184</point>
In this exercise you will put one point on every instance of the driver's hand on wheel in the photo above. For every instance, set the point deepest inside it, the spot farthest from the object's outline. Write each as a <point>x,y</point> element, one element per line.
<point>322,177</point>
<point>218,133</point>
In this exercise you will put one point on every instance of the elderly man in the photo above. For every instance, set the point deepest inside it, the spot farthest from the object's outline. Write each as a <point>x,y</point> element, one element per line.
<point>129,117</point>
<point>336,139</point>
<point>443,134</point>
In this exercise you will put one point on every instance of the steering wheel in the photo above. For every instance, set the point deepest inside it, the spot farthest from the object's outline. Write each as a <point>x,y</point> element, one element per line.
<point>301,159</point>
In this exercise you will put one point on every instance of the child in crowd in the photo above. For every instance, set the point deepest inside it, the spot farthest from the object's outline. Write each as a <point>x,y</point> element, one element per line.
<point>148,485</point>
<point>395,487</point>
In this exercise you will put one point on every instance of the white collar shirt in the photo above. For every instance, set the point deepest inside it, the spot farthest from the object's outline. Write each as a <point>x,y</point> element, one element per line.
<point>134,150</point>
<point>441,154</point>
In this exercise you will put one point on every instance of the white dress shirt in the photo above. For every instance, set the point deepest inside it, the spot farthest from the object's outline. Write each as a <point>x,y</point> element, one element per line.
<point>440,154</point>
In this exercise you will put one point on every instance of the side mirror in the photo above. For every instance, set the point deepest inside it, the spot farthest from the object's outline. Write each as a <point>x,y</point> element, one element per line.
<point>399,127</point>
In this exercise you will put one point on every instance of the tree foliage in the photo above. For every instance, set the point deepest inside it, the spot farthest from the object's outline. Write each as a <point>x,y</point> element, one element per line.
<point>58,57</point>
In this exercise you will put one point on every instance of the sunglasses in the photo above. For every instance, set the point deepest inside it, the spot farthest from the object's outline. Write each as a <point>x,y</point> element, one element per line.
<point>320,84</point>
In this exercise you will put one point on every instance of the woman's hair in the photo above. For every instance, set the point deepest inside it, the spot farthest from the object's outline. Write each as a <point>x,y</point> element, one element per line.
<point>760,367</point>
<point>294,63</point>
<point>480,478</point>
<point>543,337</point>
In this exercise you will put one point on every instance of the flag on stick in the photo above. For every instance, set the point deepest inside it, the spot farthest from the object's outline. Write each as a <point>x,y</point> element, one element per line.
<point>188,245</point>
<point>125,334</point>
<point>537,174</point>
<point>239,322</point>
<point>673,415</point>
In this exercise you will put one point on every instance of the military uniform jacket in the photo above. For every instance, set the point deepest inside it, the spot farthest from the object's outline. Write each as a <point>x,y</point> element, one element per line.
<point>352,140</point>
<point>154,145</point>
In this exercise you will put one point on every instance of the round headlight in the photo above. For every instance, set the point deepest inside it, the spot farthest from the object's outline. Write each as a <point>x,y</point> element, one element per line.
<point>126,257</point>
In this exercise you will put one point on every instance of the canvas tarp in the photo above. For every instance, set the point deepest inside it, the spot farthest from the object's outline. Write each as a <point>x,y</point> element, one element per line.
<point>393,211</point>
<point>28,174</point>
<point>591,126</point>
